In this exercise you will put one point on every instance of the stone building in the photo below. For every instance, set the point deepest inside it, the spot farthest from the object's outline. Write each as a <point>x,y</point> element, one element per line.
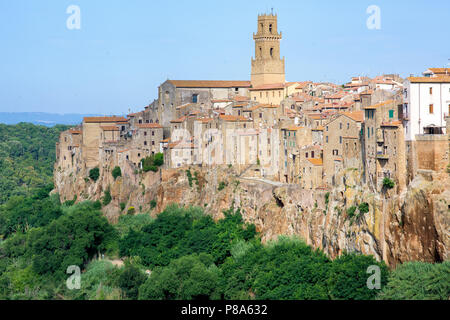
<point>346,124</point>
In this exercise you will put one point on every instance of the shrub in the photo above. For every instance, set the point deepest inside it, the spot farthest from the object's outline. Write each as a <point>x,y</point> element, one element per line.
<point>117,172</point>
<point>351,211</point>
<point>70,203</point>
<point>97,205</point>
<point>107,197</point>
<point>189,175</point>
<point>388,183</point>
<point>327,198</point>
<point>222,185</point>
<point>94,174</point>
<point>152,163</point>
<point>122,206</point>
<point>159,159</point>
<point>153,204</point>
<point>131,210</point>
<point>363,208</point>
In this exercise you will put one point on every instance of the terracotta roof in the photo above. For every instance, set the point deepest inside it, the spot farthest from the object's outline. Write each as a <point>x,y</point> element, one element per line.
<point>229,117</point>
<point>315,161</point>
<point>239,105</point>
<point>270,106</point>
<point>109,128</point>
<point>73,131</point>
<point>391,124</point>
<point>209,84</point>
<point>440,70</point>
<point>165,140</point>
<point>241,98</point>
<point>104,119</point>
<point>379,104</point>
<point>292,128</point>
<point>358,116</point>
<point>303,84</point>
<point>149,126</point>
<point>319,128</point>
<point>270,86</point>
<point>254,108</point>
<point>179,120</point>
<point>221,100</point>
<point>439,79</point>
<point>205,120</point>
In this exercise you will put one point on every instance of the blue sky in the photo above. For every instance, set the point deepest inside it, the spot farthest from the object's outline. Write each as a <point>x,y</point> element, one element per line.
<point>125,49</point>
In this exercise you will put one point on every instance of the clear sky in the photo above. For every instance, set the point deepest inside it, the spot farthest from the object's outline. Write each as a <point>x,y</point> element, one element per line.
<point>125,49</point>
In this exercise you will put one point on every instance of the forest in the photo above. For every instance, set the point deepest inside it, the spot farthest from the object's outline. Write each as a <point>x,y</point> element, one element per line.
<point>180,253</point>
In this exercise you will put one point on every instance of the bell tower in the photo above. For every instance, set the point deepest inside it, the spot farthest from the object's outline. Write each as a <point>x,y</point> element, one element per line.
<point>267,67</point>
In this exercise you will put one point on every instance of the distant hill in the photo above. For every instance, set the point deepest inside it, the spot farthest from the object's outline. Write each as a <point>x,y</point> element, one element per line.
<point>42,118</point>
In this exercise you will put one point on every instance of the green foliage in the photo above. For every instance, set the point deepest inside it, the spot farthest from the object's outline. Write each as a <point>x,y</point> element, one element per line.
<point>151,163</point>
<point>388,183</point>
<point>94,174</point>
<point>107,197</point>
<point>153,204</point>
<point>117,172</point>
<point>177,232</point>
<point>97,205</point>
<point>122,206</point>
<point>222,185</point>
<point>351,212</point>
<point>189,175</point>
<point>347,279</point>
<point>71,239</point>
<point>130,280</point>
<point>192,277</point>
<point>132,222</point>
<point>27,156</point>
<point>363,208</point>
<point>20,214</point>
<point>327,198</point>
<point>70,203</point>
<point>418,281</point>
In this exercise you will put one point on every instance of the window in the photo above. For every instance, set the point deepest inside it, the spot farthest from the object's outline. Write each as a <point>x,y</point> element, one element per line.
<point>340,125</point>
<point>194,98</point>
<point>153,133</point>
<point>312,154</point>
<point>260,115</point>
<point>306,155</point>
<point>270,28</point>
<point>391,114</point>
<point>348,125</point>
<point>340,140</point>
<point>145,133</point>
<point>431,109</point>
<point>153,143</point>
<point>145,143</point>
<point>271,52</point>
<point>431,90</point>
<point>326,139</point>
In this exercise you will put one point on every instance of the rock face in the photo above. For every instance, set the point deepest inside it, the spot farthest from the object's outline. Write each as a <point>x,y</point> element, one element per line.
<point>413,225</point>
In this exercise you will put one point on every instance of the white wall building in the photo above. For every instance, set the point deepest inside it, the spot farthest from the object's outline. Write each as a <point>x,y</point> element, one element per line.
<point>426,104</point>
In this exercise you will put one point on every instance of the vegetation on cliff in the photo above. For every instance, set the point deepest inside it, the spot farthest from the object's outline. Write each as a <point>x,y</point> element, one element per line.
<point>27,155</point>
<point>181,254</point>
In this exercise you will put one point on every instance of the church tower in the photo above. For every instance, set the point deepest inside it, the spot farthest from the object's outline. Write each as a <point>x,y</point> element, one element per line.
<point>267,67</point>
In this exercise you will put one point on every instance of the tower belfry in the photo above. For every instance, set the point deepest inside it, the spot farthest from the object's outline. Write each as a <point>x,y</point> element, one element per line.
<point>267,67</point>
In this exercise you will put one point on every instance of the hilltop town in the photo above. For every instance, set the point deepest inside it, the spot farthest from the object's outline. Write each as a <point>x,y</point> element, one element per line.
<point>310,148</point>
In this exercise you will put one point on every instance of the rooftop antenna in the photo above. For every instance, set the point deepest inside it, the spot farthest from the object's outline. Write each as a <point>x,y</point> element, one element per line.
<point>271,10</point>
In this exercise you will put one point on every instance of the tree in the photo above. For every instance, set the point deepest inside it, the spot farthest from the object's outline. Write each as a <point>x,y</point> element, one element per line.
<point>192,277</point>
<point>418,281</point>
<point>94,174</point>
<point>117,172</point>
<point>347,279</point>
<point>130,280</point>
